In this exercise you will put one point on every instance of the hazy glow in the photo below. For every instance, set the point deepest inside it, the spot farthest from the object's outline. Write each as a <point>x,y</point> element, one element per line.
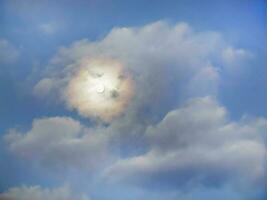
<point>100,89</point>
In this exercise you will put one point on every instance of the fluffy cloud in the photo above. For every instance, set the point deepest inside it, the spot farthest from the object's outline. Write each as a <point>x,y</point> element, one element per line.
<point>8,53</point>
<point>39,193</point>
<point>168,63</point>
<point>197,144</point>
<point>60,141</point>
<point>193,145</point>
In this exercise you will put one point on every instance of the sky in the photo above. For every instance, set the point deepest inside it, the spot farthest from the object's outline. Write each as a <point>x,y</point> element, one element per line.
<point>127,100</point>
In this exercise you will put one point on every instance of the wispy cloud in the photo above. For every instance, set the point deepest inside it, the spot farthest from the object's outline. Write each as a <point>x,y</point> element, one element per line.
<point>39,193</point>
<point>8,52</point>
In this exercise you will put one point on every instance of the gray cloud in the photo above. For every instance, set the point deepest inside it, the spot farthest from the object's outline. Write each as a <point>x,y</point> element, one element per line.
<point>169,63</point>
<point>60,142</point>
<point>197,144</point>
<point>39,193</point>
<point>194,145</point>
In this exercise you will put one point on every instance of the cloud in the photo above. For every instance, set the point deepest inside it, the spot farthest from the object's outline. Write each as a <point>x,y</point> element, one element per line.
<point>231,55</point>
<point>43,87</point>
<point>60,142</point>
<point>48,28</point>
<point>8,53</point>
<point>39,193</point>
<point>235,58</point>
<point>173,133</point>
<point>197,145</point>
<point>168,63</point>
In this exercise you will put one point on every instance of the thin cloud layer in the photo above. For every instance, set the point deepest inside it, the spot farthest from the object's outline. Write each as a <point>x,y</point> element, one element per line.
<point>8,52</point>
<point>39,193</point>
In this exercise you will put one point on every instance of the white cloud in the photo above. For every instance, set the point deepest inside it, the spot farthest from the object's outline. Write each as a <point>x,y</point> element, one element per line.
<point>197,144</point>
<point>60,142</point>
<point>39,193</point>
<point>8,53</point>
<point>169,63</point>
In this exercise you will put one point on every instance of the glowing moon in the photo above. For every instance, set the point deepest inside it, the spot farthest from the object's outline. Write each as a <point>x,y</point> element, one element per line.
<point>101,88</point>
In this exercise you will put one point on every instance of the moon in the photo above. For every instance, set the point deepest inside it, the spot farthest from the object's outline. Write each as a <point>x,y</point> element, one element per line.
<point>100,89</point>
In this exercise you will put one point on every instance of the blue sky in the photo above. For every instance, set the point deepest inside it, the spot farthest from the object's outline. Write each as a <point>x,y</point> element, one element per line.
<point>195,77</point>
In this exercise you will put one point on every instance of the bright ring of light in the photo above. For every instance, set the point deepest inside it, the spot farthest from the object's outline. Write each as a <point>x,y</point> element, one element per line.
<point>100,89</point>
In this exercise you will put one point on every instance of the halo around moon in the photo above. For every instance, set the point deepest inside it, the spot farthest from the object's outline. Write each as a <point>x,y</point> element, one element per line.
<point>101,88</point>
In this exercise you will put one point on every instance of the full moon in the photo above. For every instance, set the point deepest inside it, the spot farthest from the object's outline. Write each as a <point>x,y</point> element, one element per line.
<point>101,89</point>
